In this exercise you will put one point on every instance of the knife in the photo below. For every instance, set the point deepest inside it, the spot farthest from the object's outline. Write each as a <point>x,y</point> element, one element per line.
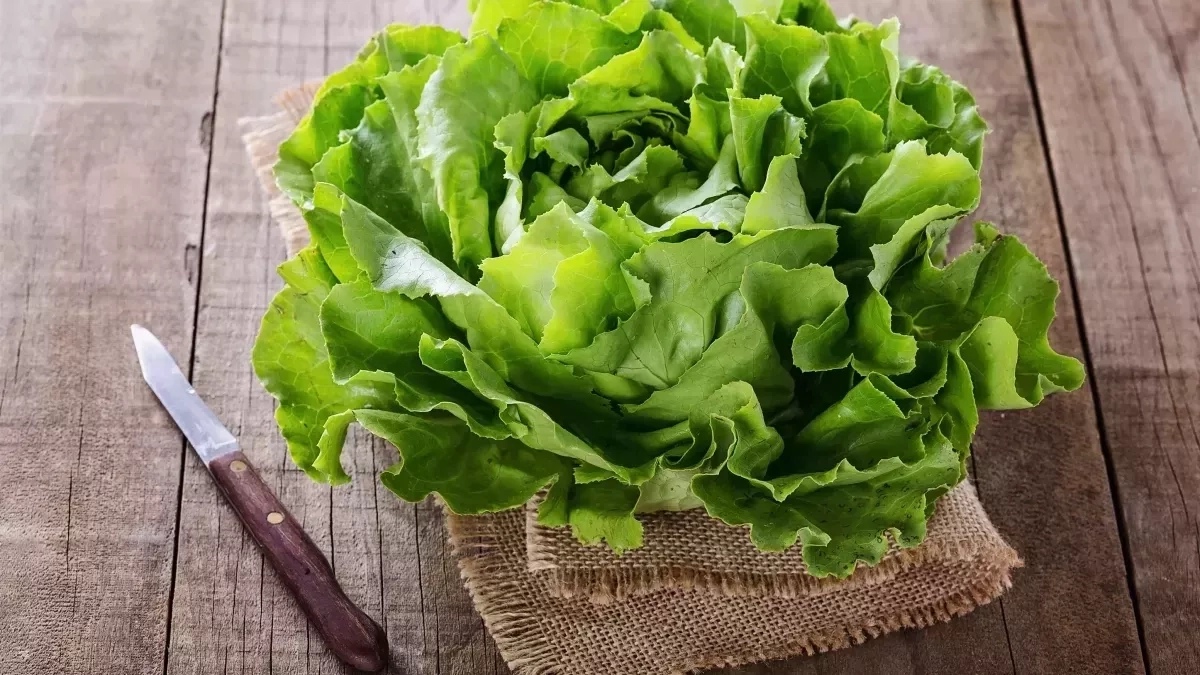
<point>351,635</point>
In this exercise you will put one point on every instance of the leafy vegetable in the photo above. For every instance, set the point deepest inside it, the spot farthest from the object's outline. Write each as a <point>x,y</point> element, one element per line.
<point>654,255</point>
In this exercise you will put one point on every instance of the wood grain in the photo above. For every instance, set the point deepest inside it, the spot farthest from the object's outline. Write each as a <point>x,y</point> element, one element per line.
<point>230,615</point>
<point>1118,86</point>
<point>101,193</point>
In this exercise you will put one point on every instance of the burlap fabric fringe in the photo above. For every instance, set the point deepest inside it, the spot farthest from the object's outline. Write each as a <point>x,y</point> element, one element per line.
<point>697,595</point>
<point>689,551</point>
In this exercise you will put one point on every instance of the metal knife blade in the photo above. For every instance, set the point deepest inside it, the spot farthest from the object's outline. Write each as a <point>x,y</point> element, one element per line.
<point>199,424</point>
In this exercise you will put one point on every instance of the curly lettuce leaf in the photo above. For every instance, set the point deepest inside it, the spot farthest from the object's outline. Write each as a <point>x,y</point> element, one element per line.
<point>472,474</point>
<point>553,44</point>
<point>790,78</point>
<point>339,103</point>
<point>291,360</point>
<point>997,301</point>
<point>456,129</point>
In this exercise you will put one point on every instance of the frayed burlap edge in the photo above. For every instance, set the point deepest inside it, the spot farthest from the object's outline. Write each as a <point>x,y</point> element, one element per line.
<point>619,584</point>
<point>618,580</point>
<point>518,633</point>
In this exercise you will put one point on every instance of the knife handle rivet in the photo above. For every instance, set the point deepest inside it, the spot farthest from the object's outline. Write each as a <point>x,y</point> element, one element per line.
<point>274,517</point>
<point>237,465</point>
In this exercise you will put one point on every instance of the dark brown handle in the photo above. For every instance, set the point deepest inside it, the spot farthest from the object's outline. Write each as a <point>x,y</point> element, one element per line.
<point>350,634</point>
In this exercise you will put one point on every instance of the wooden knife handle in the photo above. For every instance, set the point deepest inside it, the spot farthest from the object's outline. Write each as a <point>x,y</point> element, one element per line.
<point>350,634</point>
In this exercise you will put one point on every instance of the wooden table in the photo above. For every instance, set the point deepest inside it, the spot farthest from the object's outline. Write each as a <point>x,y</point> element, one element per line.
<point>126,196</point>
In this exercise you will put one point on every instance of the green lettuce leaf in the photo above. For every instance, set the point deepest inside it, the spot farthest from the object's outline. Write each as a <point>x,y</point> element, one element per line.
<point>292,361</point>
<point>456,130</point>
<point>553,44</point>
<point>789,78</point>
<point>472,474</point>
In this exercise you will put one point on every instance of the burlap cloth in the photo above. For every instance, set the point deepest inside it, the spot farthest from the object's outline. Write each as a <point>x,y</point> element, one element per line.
<point>698,594</point>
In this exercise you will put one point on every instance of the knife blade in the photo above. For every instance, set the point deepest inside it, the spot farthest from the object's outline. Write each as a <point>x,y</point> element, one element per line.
<point>198,422</point>
<point>349,633</point>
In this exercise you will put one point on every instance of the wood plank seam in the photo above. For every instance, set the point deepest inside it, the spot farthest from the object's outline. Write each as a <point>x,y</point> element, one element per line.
<point>1012,658</point>
<point>383,617</point>
<point>1083,335</point>
<point>207,125</point>
<point>1105,439</point>
<point>202,635</point>
<point>101,188</point>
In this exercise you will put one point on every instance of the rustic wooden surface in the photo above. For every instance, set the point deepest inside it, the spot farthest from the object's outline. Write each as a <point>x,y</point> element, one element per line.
<point>125,195</point>
<point>1120,85</point>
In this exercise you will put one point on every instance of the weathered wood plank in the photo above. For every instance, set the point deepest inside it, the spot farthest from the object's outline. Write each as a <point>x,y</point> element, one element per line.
<point>101,194</point>
<point>230,613</point>
<point>423,606</point>
<point>1118,84</point>
<point>1040,473</point>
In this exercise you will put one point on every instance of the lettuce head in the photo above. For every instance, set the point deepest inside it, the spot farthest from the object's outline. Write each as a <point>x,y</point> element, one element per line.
<point>648,255</point>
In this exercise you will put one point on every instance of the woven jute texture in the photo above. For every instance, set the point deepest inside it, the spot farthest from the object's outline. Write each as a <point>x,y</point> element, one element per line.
<point>680,631</point>
<point>691,552</point>
<point>697,595</point>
